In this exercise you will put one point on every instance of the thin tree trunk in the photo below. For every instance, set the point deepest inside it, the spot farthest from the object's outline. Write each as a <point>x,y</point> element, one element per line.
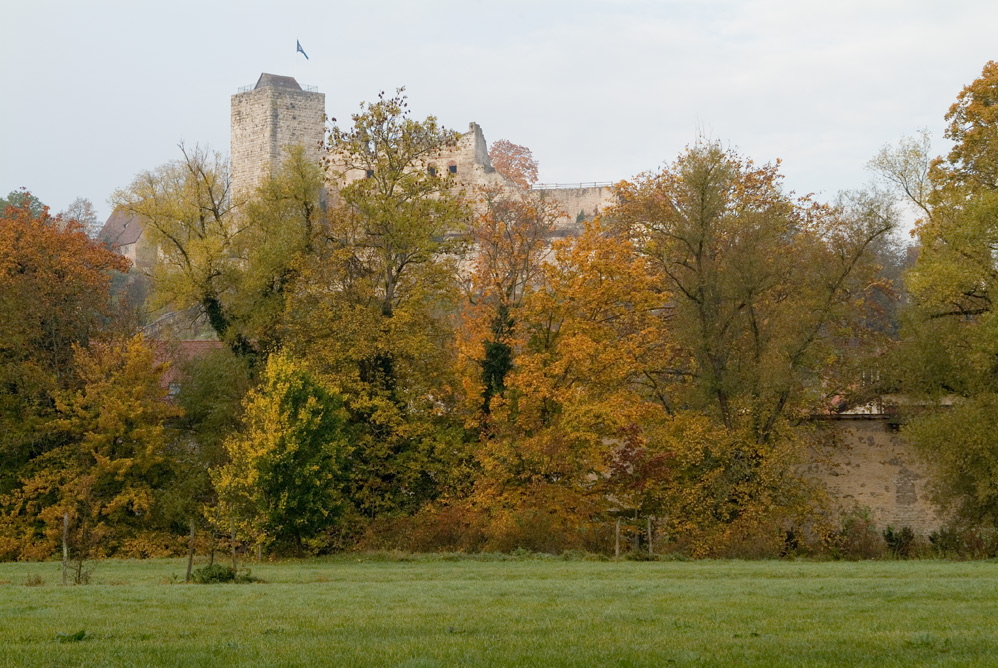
<point>232,540</point>
<point>65,545</point>
<point>190,554</point>
<point>650,548</point>
<point>616,550</point>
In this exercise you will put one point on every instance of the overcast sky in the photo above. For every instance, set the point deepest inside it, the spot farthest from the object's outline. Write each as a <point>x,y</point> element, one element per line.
<point>96,91</point>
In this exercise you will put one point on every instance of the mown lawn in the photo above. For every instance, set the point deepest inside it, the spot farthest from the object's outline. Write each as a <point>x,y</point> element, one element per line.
<point>529,612</point>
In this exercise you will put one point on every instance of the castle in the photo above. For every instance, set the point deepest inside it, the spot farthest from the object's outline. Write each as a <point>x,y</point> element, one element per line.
<point>863,462</point>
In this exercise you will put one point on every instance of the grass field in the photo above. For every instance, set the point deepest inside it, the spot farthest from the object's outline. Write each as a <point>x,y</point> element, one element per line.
<point>530,612</point>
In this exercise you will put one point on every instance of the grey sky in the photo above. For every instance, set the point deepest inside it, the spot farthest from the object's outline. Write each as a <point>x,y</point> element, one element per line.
<point>96,91</point>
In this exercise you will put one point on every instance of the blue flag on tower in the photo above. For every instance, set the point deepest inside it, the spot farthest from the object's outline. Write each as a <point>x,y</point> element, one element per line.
<point>301,50</point>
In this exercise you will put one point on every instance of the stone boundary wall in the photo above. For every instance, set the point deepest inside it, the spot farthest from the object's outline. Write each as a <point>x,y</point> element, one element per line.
<point>865,463</point>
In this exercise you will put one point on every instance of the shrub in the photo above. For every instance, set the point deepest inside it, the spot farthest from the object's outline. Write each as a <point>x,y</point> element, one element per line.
<point>857,538</point>
<point>213,574</point>
<point>959,543</point>
<point>34,580</point>
<point>899,541</point>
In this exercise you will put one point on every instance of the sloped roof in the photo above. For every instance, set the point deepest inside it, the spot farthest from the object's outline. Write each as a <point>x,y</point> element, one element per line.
<point>121,229</point>
<point>276,81</point>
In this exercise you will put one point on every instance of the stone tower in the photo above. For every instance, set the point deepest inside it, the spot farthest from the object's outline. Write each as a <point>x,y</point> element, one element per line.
<point>267,118</point>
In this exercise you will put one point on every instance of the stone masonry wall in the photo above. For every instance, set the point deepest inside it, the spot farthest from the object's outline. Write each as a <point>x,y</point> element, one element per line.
<point>864,463</point>
<point>590,202</point>
<point>264,122</point>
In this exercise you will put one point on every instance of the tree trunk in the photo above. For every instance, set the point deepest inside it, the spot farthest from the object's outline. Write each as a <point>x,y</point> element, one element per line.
<point>190,554</point>
<point>232,540</point>
<point>65,545</point>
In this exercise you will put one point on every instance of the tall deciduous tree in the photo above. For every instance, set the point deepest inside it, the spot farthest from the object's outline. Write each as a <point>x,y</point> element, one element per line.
<point>187,212</point>
<point>53,295</point>
<point>584,335</point>
<point>282,482</point>
<point>767,289</point>
<point>512,234</point>
<point>82,211</point>
<point>284,230</point>
<point>949,342</point>
<point>232,262</point>
<point>372,313</point>
<point>769,296</point>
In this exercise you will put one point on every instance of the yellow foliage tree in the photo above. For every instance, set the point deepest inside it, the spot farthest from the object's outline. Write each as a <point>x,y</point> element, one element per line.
<point>283,480</point>
<point>113,463</point>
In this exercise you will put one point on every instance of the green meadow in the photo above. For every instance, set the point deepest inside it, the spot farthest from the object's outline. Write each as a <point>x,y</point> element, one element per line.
<point>435,611</point>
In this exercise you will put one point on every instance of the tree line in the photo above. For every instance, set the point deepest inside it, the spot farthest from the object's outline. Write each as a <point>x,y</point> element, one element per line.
<point>414,365</point>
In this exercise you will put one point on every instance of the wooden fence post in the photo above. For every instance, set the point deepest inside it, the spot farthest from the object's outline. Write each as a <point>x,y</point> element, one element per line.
<point>232,538</point>
<point>65,545</point>
<point>190,553</point>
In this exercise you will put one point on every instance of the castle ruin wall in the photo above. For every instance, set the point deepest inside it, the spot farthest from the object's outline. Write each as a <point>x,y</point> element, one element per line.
<point>865,464</point>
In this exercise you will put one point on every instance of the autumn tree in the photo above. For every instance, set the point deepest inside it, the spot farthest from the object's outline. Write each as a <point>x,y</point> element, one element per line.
<point>228,261</point>
<point>765,286</point>
<point>769,296</point>
<point>282,482</point>
<point>53,295</point>
<point>372,313</point>
<point>111,461</point>
<point>948,348</point>
<point>584,335</point>
<point>511,233</point>
<point>515,162</point>
<point>186,208</point>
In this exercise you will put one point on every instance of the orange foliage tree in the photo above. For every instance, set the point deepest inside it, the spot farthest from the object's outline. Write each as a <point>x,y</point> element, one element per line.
<point>584,337</point>
<point>515,162</point>
<point>54,294</point>
<point>512,236</point>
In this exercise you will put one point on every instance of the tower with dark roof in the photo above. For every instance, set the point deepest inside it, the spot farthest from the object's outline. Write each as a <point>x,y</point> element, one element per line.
<point>266,119</point>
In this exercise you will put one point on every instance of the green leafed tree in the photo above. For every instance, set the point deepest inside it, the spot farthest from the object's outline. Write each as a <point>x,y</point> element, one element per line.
<point>283,479</point>
<point>22,199</point>
<point>372,313</point>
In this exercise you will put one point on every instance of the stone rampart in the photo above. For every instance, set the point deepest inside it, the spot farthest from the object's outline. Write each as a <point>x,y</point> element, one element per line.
<point>577,204</point>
